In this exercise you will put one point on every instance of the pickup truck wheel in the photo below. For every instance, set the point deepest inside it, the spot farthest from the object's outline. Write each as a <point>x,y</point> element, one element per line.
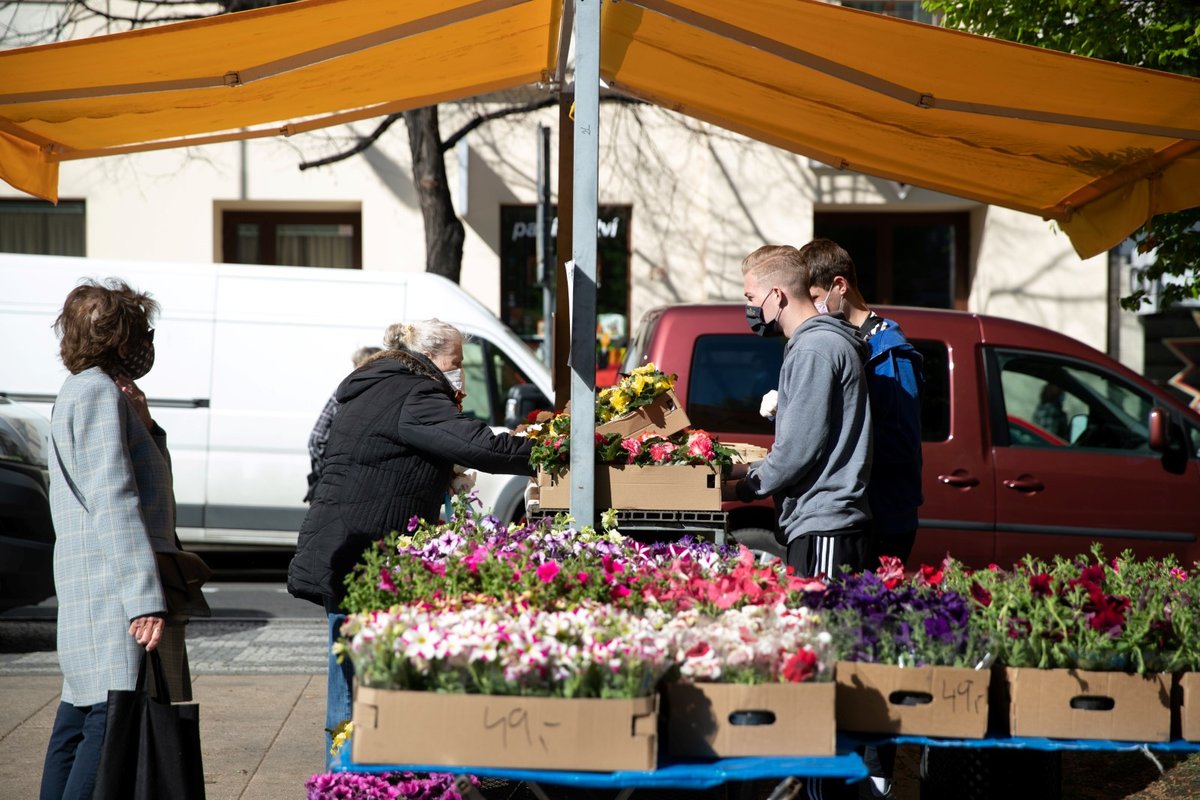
<point>760,540</point>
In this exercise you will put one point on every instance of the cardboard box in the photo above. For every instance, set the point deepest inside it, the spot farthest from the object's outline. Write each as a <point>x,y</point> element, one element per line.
<point>427,728</point>
<point>1077,704</point>
<point>919,701</point>
<point>665,416</point>
<point>798,719</point>
<point>1189,706</point>
<point>671,487</point>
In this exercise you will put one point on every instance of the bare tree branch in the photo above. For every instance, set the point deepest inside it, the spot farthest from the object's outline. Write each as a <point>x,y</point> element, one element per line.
<point>483,119</point>
<point>362,144</point>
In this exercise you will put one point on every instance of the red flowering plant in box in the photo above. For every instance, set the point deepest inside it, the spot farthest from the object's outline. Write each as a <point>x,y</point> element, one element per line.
<point>1087,612</point>
<point>552,447</point>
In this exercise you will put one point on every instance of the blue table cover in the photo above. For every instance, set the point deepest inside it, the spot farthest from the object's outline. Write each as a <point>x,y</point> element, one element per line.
<point>1039,743</point>
<point>677,775</point>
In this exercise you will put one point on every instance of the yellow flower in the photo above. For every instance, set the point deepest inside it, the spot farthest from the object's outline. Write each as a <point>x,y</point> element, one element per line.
<point>645,369</point>
<point>620,401</point>
<point>639,384</point>
<point>341,735</point>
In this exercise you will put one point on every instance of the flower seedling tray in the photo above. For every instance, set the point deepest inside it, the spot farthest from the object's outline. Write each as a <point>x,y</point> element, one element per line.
<point>428,728</point>
<point>708,720</point>
<point>667,487</point>
<point>1078,704</point>
<point>665,417</point>
<point>914,701</point>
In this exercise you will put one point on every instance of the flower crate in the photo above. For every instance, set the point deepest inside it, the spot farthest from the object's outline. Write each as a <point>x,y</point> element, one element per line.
<point>1078,704</point>
<point>432,729</point>
<point>668,487</point>
<point>1189,707</point>
<point>918,701</point>
<point>664,416</point>
<point>709,720</point>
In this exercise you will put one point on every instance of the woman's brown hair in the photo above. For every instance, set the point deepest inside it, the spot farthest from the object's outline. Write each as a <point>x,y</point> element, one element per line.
<point>97,319</point>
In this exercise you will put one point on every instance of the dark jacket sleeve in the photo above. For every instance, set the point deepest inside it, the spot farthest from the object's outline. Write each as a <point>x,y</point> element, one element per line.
<point>432,423</point>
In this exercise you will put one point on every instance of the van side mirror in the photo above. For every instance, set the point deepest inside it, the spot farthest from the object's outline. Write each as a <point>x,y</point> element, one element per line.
<point>523,399</point>
<point>1159,422</point>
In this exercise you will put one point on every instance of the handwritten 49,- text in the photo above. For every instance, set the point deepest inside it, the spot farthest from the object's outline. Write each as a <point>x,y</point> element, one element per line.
<point>525,731</point>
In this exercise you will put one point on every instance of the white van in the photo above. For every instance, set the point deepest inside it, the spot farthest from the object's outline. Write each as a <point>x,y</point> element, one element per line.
<point>246,358</point>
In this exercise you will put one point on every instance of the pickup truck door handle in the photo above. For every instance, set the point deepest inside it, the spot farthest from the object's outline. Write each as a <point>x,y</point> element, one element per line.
<point>1025,484</point>
<point>959,479</point>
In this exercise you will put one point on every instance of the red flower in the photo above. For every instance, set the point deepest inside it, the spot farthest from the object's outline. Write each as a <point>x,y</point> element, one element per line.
<point>890,571</point>
<point>618,593</point>
<point>800,667</point>
<point>699,650</point>
<point>582,577</point>
<point>930,576</point>
<point>1040,584</point>
<point>981,595</point>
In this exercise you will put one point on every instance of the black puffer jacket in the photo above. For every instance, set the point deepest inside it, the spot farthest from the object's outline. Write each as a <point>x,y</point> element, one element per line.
<point>392,448</point>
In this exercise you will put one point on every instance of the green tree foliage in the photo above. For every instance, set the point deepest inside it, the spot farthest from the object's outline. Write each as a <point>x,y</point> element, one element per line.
<point>1157,34</point>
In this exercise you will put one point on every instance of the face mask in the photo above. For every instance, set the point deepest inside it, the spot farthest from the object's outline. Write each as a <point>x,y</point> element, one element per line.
<point>455,379</point>
<point>137,363</point>
<point>823,305</point>
<point>760,326</point>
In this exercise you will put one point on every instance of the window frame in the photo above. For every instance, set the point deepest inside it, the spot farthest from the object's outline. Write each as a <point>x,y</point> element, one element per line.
<point>888,221</point>
<point>269,220</point>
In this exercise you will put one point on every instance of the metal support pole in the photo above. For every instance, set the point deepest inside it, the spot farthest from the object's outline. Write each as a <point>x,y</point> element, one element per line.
<point>583,251</point>
<point>546,267</point>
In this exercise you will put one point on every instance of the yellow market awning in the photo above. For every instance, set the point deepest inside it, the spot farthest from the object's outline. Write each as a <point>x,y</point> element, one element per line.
<point>1097,147</point>
<point>280,70</point>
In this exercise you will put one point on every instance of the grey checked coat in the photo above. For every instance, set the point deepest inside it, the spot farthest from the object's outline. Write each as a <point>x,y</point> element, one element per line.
<point>112,500</point>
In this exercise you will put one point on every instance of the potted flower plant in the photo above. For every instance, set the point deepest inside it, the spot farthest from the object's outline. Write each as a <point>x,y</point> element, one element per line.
<point>1088,645</point>
<point>503,685</point>
<point>752,681</point>
<point>908,659</point>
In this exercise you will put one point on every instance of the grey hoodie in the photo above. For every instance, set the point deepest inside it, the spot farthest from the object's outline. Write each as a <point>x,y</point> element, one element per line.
<point>819,465</point>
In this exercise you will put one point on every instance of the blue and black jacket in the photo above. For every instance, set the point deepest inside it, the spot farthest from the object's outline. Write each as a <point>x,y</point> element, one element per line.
<point>895,382</point>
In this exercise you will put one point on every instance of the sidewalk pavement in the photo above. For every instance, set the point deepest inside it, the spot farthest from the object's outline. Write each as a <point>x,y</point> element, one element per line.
<point>261,690</point>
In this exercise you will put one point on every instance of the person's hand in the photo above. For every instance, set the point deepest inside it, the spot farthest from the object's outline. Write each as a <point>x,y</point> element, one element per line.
<point>137,397</point>
<point>147,631</point>
<point>770,403</point>
<point>532,497</point>
<point>729,489</point>
<point>463,481</point>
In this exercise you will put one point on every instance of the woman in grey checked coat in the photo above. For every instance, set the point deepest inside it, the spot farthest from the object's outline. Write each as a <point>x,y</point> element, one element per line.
<point>113,506</point>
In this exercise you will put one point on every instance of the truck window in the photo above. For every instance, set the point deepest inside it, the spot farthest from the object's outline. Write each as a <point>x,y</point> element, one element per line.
<point>488,374</point>
<point>1056,402</point>
<point>729,375</point>
<point>935,402</point>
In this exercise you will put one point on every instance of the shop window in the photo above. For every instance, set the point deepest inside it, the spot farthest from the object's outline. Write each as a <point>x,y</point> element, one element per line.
<point>39,228</point>
<point>293,238</point>
<point>521,291</point>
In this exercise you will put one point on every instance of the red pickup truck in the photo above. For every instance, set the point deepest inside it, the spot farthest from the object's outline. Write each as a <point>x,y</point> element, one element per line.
<point>1033,442</point>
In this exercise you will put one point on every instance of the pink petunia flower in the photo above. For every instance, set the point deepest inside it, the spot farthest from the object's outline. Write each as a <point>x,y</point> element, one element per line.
<point>546,572</point>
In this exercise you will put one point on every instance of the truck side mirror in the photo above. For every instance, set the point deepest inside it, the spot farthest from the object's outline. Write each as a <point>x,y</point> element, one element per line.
<point>1159,421</point>
<point>523,399</point>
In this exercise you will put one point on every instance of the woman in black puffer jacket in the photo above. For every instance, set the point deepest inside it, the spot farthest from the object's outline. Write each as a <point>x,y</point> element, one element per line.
<point>391,453</point>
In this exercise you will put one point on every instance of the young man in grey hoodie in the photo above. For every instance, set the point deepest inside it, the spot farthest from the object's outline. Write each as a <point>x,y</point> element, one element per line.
<point>818,468</point>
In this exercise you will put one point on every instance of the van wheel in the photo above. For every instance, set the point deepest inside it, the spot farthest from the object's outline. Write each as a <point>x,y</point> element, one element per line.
<point>760,540</point>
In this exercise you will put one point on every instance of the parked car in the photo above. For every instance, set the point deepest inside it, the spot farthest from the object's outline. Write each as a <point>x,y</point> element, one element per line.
<point>247,358</point>
<point>1123,469</point>
<point>26,530</point>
